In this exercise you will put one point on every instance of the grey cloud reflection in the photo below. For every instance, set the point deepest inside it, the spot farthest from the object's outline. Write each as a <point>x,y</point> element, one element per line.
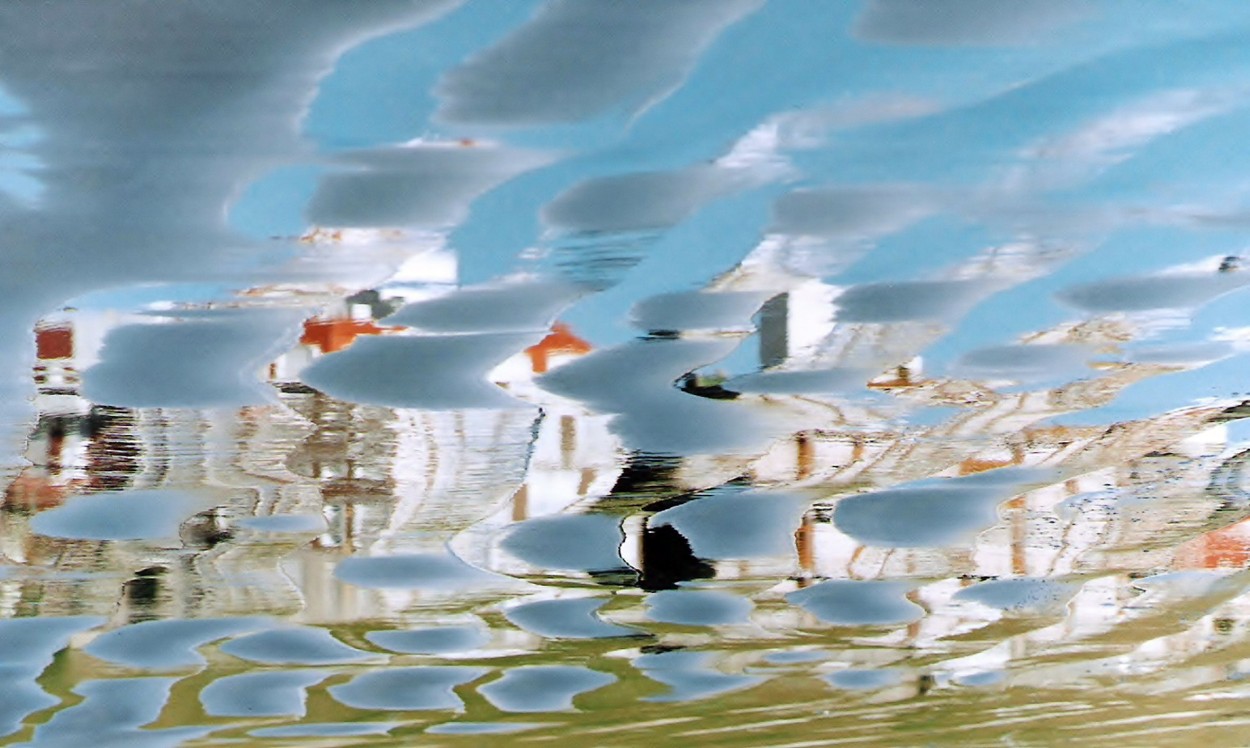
<point>96,84</point>
<point>574,61</point>
<point>453,370</point>
<point>973,22</point>
<point>196,363</point>
<point>639,202</point>
<point>420,184</point>
<point>521,304</point>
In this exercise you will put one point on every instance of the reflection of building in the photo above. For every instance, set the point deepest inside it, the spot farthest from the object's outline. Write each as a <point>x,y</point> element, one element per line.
<point>423,268</point>
<point>55,370</point>
<point>573,456</point>
<point>792,324</point>
<point>365,480</point>
<point>1125,502</point>
<point>56,451</point>
<point>67,344</point>
<point>330,331</point>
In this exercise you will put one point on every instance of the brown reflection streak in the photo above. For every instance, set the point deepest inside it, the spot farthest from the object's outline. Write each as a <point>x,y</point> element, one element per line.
<point>586,480</point>
<point>806,456</point>
<point>1018,514</point>
<point>520,504</point>
<point>568,440</point>
<point>804,543</point>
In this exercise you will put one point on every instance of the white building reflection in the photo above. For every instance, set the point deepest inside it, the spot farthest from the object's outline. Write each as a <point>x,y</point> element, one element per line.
<point>300,487</point>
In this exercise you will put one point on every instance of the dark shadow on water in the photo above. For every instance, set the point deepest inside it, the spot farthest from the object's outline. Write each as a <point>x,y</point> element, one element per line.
<point>668,560</point>
<point>650,484</point>
<point>143,594</point>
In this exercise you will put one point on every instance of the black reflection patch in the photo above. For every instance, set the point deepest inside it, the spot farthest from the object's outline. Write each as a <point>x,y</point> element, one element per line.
<point>667,559</point>
<point>142,594</point>
<point>647,474</point>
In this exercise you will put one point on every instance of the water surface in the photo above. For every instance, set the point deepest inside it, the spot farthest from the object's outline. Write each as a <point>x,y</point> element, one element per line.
<point>724,372</point>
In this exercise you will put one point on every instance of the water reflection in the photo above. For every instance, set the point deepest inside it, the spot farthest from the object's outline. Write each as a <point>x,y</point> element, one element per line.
<point>973,550</point>
<point>885,386</point>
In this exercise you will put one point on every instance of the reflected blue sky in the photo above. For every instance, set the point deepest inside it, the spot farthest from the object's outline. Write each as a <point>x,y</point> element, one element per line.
<point>1106,131</point>
<point>1024,79</point>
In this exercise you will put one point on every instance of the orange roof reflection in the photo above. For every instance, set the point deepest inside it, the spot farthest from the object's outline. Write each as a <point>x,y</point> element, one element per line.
<point>1225,548</point>
<point>560,340</point>
<point>54,342</point>
<point>972,465</point>
<point>333,335</point>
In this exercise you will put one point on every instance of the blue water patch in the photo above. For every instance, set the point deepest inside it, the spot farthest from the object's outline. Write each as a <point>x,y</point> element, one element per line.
<point>867,680</point>
<point>582,542</point>
<point>295,646</point>
<point>271,694</point>
<point>430,571</point>
<point>27,646</point>
<point>754,524</point>
<point>574,618</point>
<point>846,602</point>
<point>920,516</point>
<point>543,688</point>
<point>440,640</point>
<point>698,607</point>
<point>111,713</point>
<point>164,645</point>
<point>574,61</point>
<point>128,515</point>
<point>481,728</point>
<point>325,730</point>
<point>454,368</point>
<point>406,688</point>
<point>794,657</point>
<point>285,523</point>
<point>201,363</point>
<point>690,676</point>
<point>1022,595</point>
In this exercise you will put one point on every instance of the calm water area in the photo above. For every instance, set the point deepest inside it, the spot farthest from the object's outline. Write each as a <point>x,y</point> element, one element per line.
<point>624,373</point>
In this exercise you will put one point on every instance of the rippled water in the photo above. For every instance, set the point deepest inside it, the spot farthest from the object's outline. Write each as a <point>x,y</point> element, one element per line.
<point>723,372</point>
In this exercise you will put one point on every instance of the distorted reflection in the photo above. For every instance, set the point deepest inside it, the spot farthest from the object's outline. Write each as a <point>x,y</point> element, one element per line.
<point>623,372</point>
